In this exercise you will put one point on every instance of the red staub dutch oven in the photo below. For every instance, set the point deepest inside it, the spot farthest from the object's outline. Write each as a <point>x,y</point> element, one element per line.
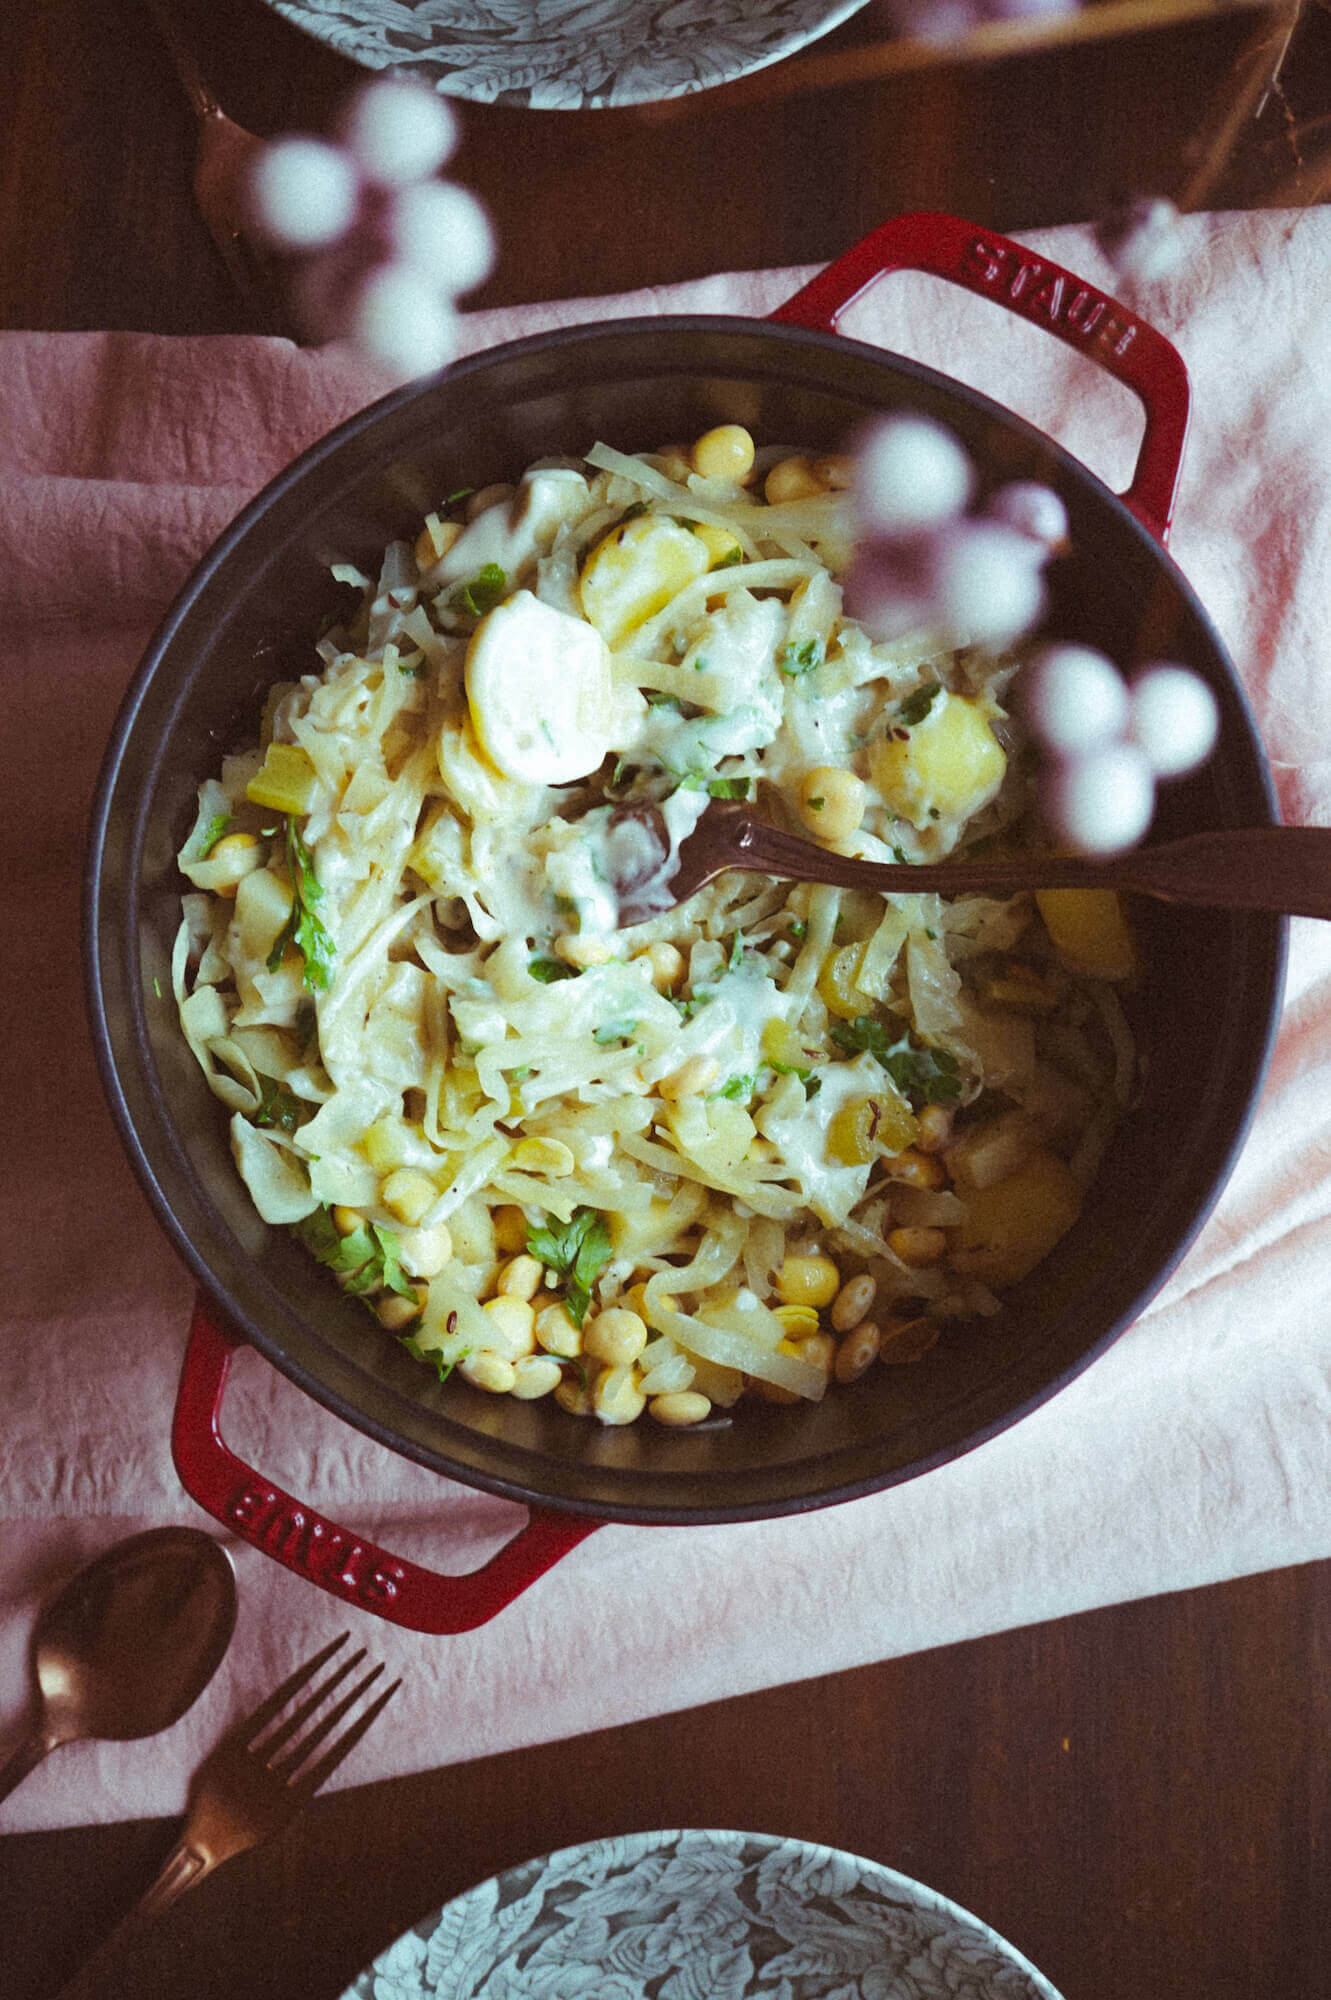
<point>1205,1016</point>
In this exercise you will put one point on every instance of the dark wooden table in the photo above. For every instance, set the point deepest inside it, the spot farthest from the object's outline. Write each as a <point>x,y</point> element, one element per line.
<point>1137,1797</point>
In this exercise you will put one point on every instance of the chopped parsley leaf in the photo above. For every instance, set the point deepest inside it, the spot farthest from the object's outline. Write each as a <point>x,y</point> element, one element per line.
<point>799,929</point>
<point>302,927</point>
<point>614,1031</point>
<point>794,660</point>
<point>217,828</point>
<point>739,1089</point>
<point>578,1250</point>
<point>730,560</point>
<point>736,958</point>
<point>730,788</point>
<point>548,970</point>
<point>365,1261</point>
<point>484,590</point>
<point>431,1355</point>
<point>277,1106</point>
<point>917,706</point>
<point>926,1075</point>
<point>688,1008</point>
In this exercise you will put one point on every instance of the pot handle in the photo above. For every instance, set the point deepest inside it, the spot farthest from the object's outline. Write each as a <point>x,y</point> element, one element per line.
<point>994,267</point>
<point>344,1564</point>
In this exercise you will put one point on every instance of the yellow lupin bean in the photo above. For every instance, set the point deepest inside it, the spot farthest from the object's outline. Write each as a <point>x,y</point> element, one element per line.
<point>807,1280</point>
<point>696,1075</point>
<point>791,479</point>
<point>725,452</point>
<point>614,1336</point>
<point>917,1247</point>
<point>513,1323</point>
<point>836,470</point>
<point>679,1409</point>
<point>616,1397</point>
<point>535,1375</point>
<point>797,1320</point>
<point>916,1169</point>
<point>425,1252</point>
<point>831,803</point>
<point>520,1278</point>
<point>487,1371</point>
<point>240,854</point>
<point>574,1396</point>
<point>396,1312</point>
<point>666,962</point>
<point>408,1194</point>
<point>544,1156</point>
<point>935,1129</point>
<point>557,1332</point>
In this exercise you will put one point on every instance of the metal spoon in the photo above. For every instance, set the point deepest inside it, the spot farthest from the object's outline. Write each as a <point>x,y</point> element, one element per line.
<point>1277,868</point>
<point>128,1644</point>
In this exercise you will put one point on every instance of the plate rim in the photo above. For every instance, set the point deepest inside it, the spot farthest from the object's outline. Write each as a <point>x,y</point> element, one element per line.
<point>333,29</point>
<point>633,1846</point>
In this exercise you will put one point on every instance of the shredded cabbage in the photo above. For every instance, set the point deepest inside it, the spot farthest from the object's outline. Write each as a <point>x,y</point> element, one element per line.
<point>437,1034</point>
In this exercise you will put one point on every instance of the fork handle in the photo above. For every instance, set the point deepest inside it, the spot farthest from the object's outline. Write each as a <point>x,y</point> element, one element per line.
<point>294,1534</point>
<point>185,1866</point>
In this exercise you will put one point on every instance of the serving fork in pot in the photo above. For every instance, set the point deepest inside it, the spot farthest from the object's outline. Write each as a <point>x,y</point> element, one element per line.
<point>247,1789</point>
<point>1284,869</point>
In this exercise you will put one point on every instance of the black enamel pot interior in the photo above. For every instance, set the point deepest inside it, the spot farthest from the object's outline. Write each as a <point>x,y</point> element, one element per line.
<point>1205,1014</point>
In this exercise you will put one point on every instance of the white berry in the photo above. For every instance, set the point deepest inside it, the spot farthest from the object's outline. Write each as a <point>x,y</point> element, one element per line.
<point>987,582</point>
<point>1103,801</point>
<point>303,192</point>
<point>888,589</point>
<point>399,132</point>
<point>441,230</point>
<point>1174,719</point>
<point>1073,698</point>
<point>1032,510</point>
<point>400,320</point>
<point>912,475</point>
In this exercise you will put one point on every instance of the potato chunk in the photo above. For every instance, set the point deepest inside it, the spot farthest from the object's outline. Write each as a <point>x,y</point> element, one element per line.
<point>945,766</point>
<point>1089,930</point>
<point>1013,1224</point>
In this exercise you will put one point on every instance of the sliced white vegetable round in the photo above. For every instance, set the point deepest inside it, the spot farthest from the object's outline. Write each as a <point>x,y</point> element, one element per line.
<point>912,475</point>
<point>1032,510</point>
<point>541,693</point>
<point>303,192</point>
<point>987,582</point>
<point>1073,698</point>
<point>1175,720</point>
<point>1103,801</point>
<point>399,131</point>
<point>401,321</point>
<point>442,230</point>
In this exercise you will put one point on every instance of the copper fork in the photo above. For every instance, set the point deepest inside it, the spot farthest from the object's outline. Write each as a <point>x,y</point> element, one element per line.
<point>223,158</point>
<point>248,1788</point>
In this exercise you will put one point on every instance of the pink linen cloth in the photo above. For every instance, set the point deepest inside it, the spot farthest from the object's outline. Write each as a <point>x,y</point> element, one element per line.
<point>1198,1448</point>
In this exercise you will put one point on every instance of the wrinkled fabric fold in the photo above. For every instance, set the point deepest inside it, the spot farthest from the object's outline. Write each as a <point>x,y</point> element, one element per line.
<point>1197,1448</point>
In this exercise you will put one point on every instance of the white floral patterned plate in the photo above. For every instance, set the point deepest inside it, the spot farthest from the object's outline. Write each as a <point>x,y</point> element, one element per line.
<point>567,55</point>
<point>700,1916</point>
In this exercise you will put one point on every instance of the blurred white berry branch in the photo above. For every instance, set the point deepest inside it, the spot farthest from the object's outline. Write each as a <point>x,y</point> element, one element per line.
<point>923,561</point>
<point>380,247</point>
